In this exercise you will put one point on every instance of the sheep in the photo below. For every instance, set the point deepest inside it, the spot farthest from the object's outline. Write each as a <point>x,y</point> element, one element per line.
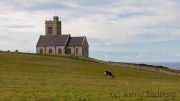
<point>107,73</point>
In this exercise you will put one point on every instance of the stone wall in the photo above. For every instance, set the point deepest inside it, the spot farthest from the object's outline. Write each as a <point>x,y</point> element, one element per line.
<point>153,69</point>
<point>85,48</point>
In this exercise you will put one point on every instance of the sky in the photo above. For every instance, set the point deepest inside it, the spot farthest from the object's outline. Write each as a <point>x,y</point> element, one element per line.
<point>116,30</point>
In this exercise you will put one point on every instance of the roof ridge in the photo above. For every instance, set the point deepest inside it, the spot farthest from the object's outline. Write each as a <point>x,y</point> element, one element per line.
<point>83,40</point>
<point>67,39</point>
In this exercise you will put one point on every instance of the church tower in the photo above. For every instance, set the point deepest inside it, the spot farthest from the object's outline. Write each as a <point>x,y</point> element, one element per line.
<point>53,27</point>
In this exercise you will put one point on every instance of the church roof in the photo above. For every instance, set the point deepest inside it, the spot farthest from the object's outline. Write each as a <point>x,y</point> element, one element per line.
<point>53,40</point>
<point>60,40</point>
<point>75,41</point>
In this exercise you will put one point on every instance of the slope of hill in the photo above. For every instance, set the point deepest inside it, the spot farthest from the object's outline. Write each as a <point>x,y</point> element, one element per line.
<point>35,77</point>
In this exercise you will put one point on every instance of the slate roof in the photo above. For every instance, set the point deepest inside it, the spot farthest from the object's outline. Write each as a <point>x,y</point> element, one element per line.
<point>60,40</point>
<point>75,41</point>
<point>52,40</point>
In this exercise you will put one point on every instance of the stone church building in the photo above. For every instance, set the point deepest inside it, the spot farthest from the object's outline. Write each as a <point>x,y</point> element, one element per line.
<point>53,42</point>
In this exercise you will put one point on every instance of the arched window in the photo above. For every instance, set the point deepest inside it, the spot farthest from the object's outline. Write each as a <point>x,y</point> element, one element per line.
<point>69,51</point>
<point>59,51</point>
<point>50,50</point>
<point>41,51</point>
<point>76,50</point>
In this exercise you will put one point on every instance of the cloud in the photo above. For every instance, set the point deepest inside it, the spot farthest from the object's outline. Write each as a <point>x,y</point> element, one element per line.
<point>154,56</point>
<point>18,26</point>
<point>177,55</point>
<point>121,21</point>
<point>71,4</point>
<point>109,25</point>
<point>106,56</point>
<point>140,55</point>
<point>28,40</point>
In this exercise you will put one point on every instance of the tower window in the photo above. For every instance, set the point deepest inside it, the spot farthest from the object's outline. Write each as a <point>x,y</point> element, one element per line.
<point>49,30</point>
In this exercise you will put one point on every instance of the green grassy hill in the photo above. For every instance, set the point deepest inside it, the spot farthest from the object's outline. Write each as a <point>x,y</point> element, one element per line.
<point>35,77</point>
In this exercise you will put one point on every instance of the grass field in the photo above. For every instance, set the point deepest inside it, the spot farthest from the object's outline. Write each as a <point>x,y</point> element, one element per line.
<point>35,77</point>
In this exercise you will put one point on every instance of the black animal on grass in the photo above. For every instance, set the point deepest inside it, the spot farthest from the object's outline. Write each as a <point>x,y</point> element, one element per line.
<point>107,73</point>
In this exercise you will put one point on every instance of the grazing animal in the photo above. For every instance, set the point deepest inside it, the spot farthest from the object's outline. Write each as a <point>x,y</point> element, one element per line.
<point>107,73</point>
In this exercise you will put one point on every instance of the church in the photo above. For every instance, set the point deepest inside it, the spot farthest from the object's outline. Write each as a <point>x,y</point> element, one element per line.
<point>53,42</point>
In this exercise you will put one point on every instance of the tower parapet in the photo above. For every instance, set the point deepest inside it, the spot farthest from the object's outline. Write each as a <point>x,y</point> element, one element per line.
<point>55,20</point>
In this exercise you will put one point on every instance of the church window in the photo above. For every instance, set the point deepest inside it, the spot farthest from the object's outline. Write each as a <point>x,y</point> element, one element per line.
<point>68,50</point>
<point>41,51</point>
<point>76,50</point>
<point>50,50</point>
<point>59,51</point>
